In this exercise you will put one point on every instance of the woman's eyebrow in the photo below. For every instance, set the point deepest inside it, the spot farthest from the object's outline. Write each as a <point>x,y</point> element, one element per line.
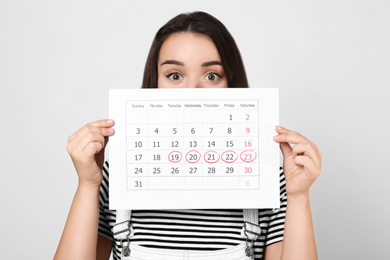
<point>174,62</point>
<point>180,63</point>
<point>211,63</point>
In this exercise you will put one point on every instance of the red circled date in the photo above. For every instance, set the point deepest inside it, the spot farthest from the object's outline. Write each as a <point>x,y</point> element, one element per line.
<point>193,156</point>
<point>175,156</point>
<point>248,156</point>
<point>211,156</point>
<point>229,156</point>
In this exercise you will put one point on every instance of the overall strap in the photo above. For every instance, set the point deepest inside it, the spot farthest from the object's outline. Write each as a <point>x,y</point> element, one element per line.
<point>122,230</point>
<point>251,230</point>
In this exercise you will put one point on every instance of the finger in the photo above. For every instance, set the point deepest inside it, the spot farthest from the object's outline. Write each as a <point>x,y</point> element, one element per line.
<point>93,148</point>
<point>291,137</point>
<point>282,130</point>
<point>310,166</point>
<point>316,147</point>
<point>105,131</point>
<point>286,149</point>
<point>93,134</point>
<point>102,126</point>
<point>307,149</point>
<point>105,125</point>
<point>91,137</point>
<point>102,123</point>
<point>77,146</point>
<point>294,135</point>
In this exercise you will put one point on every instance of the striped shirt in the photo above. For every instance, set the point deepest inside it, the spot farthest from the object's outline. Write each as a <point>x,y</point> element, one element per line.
<point>193,229</point>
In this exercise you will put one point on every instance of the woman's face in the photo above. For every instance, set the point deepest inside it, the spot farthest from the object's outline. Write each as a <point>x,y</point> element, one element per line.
<point>190,60</point>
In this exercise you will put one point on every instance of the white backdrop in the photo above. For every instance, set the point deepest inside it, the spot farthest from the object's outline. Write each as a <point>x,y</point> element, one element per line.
<point>330,60</point>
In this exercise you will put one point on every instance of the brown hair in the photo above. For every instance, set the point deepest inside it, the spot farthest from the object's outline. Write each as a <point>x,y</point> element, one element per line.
<point>202,23</point>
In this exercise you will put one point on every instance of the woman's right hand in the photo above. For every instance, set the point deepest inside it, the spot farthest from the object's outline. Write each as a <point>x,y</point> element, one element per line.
<point>86,148</point>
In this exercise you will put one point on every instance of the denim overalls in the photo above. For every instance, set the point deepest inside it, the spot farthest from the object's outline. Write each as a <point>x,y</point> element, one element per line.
<point>123,231</point>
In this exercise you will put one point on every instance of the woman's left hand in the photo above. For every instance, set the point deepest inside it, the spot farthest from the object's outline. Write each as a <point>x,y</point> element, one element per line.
<point>301,163</point>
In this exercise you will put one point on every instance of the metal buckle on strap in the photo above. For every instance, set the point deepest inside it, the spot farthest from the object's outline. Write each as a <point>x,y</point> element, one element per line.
<point>126,249</point>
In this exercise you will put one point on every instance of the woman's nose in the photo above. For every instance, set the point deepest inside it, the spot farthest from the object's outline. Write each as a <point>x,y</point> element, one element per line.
<point>194,84</point>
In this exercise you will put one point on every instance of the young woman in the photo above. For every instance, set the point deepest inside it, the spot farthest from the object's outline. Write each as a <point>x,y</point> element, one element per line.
<point>191,51</point>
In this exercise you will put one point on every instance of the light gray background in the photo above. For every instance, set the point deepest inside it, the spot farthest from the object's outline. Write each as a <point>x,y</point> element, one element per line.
<point>330,59</point>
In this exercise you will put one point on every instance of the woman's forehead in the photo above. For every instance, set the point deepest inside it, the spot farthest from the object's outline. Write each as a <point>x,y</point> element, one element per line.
<point>188,47</point>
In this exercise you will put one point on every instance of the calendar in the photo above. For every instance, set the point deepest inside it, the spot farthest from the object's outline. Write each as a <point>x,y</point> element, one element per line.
<point>194,148</point>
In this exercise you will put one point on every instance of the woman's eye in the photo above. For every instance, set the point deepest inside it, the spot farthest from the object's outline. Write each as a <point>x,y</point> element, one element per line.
<point>175,76</point>
<point>213,76</point>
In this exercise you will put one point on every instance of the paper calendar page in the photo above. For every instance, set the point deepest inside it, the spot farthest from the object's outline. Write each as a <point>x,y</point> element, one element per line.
<point>194,148</point>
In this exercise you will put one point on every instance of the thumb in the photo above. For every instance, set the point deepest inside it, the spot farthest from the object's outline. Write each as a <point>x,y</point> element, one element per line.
<point>286,149</point>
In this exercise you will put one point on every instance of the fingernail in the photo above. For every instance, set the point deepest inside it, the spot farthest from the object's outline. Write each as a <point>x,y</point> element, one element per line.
<point>276,137</point>
<point>109,121</point>
<point>280,127</point>
<point>109,130</point>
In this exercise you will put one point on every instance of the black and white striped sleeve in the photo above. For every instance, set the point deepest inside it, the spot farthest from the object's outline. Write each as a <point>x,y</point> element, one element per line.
<point>104,226</point>
<point>277,218</point>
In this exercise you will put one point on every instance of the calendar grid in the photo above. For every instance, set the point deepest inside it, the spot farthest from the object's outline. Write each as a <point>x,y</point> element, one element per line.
<point>161,172</point>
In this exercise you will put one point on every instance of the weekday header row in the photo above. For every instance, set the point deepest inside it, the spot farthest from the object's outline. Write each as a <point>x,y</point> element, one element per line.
<point>192,104</point>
